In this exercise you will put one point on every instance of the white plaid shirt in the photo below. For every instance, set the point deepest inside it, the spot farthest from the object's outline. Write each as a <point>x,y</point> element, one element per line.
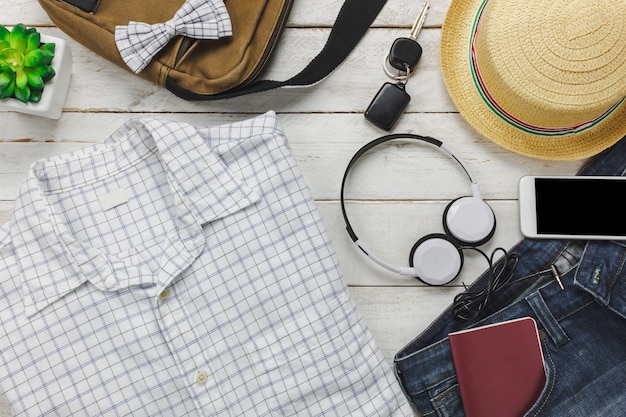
<point>176,271</point>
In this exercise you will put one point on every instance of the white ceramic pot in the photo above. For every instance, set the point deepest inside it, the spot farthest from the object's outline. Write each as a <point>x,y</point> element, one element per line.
<point>55,91</point>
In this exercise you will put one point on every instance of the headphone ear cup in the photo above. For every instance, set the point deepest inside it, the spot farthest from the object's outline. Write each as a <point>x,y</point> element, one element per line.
<point>436,259</point>
<point>469,220</point>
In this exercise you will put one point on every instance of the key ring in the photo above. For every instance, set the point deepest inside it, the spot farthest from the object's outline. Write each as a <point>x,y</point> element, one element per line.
<point>397,77</point>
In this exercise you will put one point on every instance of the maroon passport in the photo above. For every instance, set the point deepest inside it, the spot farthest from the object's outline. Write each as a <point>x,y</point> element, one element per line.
<point>499,368</point>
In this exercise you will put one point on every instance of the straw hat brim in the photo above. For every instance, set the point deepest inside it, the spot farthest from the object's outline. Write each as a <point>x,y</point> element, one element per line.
<point>455,44</point>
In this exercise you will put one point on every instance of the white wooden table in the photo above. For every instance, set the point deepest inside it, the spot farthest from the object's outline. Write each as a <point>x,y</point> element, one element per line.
<point>396,194</point>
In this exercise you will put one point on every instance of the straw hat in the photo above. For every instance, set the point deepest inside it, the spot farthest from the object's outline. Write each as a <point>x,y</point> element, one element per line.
<point>543,78</point>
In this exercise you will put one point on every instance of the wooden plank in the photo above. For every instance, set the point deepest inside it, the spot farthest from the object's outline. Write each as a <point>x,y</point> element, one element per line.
<point>349,89</point>
<point>6,208</point>
<point>299,44</point>
<point>318,13</point>
<point>396,316</point>
<point>322,144</point>
<point>391,229</point>
<point>388,230</point>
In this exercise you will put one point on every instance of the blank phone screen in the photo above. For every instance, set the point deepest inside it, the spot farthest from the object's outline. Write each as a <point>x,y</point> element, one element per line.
<point>581,206</point>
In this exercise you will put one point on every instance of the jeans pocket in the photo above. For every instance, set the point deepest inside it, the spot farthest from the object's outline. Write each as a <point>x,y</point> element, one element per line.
<point>548,387</point>
<point>447,402</point>
<point>445,397</point>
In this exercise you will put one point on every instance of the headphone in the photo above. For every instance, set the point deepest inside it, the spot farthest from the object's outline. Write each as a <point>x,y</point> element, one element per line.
<point>437,258</point>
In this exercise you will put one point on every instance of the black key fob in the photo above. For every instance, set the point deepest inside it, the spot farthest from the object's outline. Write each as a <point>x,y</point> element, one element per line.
<point>387,106</point>
<point>405,52</point>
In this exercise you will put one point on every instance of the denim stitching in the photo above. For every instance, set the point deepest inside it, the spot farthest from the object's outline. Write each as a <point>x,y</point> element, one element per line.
<point>545,400</point>
<point>571,258</point>
<point>445,398</point>
<point>546,318</point>
<point>617,273</point>
<point>430,387</point>
<point>576,310</point>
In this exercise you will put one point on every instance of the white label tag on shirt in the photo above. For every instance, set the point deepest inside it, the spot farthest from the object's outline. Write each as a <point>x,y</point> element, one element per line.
<point>113,199</point>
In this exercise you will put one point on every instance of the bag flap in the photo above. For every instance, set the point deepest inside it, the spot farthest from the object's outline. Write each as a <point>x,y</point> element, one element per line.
<point>201,66</point>
<point>211,67</point>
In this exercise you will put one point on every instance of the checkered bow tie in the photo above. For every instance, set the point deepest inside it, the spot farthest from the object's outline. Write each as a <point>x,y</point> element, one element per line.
<point>139,42</point>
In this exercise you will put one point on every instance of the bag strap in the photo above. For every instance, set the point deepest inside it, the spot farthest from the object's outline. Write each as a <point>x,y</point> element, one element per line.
<point>353,20</point>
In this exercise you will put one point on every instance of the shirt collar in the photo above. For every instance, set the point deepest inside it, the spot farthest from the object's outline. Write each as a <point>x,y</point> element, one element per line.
<point>53,263</point>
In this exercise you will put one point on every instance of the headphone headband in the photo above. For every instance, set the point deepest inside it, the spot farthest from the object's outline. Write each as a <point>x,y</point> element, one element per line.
<point>437,258</point>
<point>435,142</point>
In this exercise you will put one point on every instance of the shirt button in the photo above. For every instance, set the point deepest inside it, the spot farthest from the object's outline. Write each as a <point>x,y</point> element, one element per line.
<point>201,377</point>
<point>163,295</point>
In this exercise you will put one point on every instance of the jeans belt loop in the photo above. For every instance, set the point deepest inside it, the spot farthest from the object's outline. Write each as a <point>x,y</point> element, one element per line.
<point>547,319</point>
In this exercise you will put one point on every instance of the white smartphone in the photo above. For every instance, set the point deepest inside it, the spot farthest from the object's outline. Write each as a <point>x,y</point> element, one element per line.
<point>573,207</point>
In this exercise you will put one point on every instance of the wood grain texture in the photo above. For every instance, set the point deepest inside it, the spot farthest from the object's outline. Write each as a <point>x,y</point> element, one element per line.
<point>395,195</point>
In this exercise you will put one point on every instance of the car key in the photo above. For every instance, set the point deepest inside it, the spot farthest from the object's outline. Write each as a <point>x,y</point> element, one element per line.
<point>388,105</point>
<point>391,100</point>
<point>405,53</point>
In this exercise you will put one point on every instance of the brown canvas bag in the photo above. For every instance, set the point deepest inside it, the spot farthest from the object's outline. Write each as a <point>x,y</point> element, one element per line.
<point>213,69</point>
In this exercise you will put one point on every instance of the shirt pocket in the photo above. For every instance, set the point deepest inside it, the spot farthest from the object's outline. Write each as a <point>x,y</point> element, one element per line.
<point>315,361</point>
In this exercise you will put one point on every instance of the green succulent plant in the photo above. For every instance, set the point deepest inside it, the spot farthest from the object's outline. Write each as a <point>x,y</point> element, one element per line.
<point>24,63</point>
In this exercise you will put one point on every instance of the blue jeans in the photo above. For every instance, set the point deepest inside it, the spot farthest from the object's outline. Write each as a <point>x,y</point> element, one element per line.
<point>583,327</point>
